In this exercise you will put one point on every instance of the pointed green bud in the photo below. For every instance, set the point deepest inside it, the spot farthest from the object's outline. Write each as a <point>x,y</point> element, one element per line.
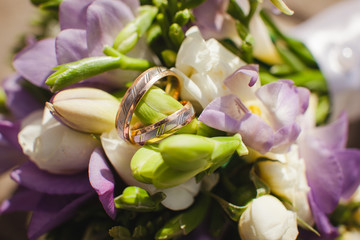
<point>130,34</point>
<point>144,163</point>
<point>182,17</point>
<point>169,57</point>
<point>87,110</point>
<point>176,35</point>
<point>137,199</point>
<point>225,148</point>
<point>74,72</point>
<point>282,6</point>
<point>156,105</point>
<point>187,152</point>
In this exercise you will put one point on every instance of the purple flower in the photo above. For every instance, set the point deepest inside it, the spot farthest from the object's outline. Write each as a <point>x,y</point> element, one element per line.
<point>333,172</point>
<point>87,26</point>
<point>266,117</point>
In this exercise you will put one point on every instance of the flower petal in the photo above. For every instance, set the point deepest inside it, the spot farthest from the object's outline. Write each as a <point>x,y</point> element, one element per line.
<point>321,220</point>
<point>24,199</point>
<point>36,61</point>
<point>349,160</point>
<point>17,95</point>
<point>72,13</point>
<point>52,211</point>
<point>32,177</point>
<point>102,180</point>
<point>105,19</point>
<point>71,45</point>
<point>323,171</point>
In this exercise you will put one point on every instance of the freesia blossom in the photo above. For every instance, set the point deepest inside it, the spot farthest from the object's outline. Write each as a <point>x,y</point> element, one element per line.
<point>53,146</point>
<point>120,153</point>
<point>267,219</point>
<point>202,67</point>
<point>266,116</point>
<point>214,21</point>
<point>286,178</point>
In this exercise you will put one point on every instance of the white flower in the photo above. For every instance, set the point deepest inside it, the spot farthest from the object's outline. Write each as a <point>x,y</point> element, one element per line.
<point>203,67</point>
<point>286,178</point>
<point>53,146</point>
<point>120,154</point>
<point>267,219</point>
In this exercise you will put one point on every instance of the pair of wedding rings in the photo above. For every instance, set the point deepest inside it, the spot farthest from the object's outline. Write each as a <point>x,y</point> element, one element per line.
<point>162,128</point>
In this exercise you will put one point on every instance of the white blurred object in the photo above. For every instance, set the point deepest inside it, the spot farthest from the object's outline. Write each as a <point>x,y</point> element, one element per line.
<point>333,37</point>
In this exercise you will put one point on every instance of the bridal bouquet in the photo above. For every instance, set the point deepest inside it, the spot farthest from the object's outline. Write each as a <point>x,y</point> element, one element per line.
<point>165,119</point>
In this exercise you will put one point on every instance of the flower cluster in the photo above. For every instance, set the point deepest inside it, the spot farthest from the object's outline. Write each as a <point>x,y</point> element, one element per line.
<point>258,161</point>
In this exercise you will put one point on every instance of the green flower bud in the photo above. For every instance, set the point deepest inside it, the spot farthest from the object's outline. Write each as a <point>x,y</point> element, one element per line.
<point>137,199</point>
<point>176,35</point>
<point>169,57</point>
<point>187,152</point>
<point>144,163</point>
<point>87,110</point>
<point>282,6</point>
<point>74,72</point>
<point>182,17</point>
<point>156,105</point>
<point>130,34</point>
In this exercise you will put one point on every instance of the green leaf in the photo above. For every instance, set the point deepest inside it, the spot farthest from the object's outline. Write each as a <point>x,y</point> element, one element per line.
<point>137,199</point>
<point>185,222</point>
<point>261,187</point>
<point>233,211</point>
<point>307,226</point>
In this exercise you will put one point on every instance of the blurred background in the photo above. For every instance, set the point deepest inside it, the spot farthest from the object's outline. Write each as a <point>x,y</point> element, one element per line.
<point>16,18</point>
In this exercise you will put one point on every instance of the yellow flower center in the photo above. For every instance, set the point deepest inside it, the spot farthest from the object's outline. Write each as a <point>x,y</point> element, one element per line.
<point>255,109</point>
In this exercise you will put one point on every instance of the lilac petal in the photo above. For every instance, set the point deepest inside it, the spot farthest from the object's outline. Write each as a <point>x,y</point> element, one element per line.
<point>210,17</point>
<point>333,136</point>
<point>52,211</point>
<point>102,180</point>
<point>10,156</point>
<point>322,222</point>
<point>256,133</point>
<point>133,5</point>
<point>282,101</point>
<point>72,13</point>
<point>35,62</point>
<point>105,19</point>
<point>71,46</point>
<point>349,160</point>
<point>285,137</point>
<point>241,80</point>
<point>23,200</point>
<point>30,176</point>
<point>9,131</point>
<point>323,172</point>
<point>229,114</point>
<point>17,95</point>
<point>222,113</point>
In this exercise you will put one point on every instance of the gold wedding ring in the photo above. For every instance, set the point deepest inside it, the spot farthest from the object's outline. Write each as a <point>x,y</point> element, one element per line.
<point>162,128</point>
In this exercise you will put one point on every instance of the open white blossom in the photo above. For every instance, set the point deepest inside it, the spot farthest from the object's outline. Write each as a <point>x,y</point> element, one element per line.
<point>267,219</point>
<point>54,147</point>
<point>203,66</point>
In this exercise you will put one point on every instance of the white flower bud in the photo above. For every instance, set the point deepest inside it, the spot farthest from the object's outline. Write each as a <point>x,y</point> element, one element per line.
<point>267,219</point>
<point>54,147</point>
<point>87,110</point>
<point>286,178</point>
